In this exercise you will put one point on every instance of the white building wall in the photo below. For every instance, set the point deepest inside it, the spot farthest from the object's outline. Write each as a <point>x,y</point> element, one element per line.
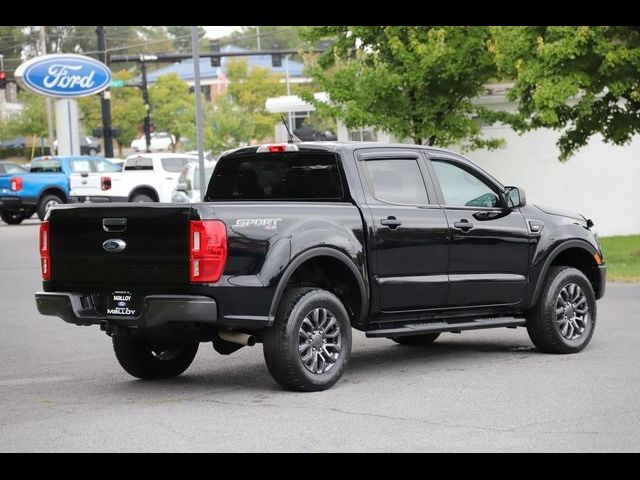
<point>600,181</point>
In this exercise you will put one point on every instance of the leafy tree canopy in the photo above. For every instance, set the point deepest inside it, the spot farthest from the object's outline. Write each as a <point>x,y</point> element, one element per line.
<point>249,90</point>
<point>415,82</point>
<point>578,79</point>
<point>172,106</point>
<point>127,110</point>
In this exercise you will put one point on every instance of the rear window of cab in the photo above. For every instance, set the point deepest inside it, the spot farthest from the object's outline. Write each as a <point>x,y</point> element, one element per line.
<point>277,176</point>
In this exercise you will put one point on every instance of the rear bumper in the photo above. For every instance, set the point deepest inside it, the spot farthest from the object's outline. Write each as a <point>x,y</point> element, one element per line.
<point>17,203</point>
<point>157,311</point>
<point>96,199</point>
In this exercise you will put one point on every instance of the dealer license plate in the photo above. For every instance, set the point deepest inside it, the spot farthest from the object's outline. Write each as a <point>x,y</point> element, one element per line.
<point>122,303</point>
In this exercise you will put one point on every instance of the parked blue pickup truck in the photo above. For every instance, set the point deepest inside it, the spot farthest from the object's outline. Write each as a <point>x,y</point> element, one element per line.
<point>45,185</point>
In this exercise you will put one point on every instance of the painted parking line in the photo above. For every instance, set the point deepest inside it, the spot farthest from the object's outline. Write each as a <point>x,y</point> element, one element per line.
<point>31,381</point>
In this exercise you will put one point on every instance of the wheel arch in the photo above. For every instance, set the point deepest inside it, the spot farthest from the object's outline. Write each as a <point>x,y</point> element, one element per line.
<point>59,192</point>
<point>574,253</point>
<point>146,190</point>
<point>359,306</point>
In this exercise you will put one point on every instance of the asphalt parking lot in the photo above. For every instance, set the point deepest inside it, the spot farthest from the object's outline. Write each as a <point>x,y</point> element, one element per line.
<point>61,388</point>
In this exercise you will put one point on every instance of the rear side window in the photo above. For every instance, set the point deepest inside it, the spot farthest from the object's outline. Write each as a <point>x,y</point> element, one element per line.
<point>396,181</point>
<point>277,176</point>
<point>139,163</point>
<point>104,166</point>
<point>174,165</point>
<point>51,165</point>
<point>80,166</point>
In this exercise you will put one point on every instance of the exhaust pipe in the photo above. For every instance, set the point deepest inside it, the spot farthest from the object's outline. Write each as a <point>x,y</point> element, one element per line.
<point>238,337</point>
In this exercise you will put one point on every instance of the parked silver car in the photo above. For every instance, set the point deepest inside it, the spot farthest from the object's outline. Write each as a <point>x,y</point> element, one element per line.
<point>188,185</point>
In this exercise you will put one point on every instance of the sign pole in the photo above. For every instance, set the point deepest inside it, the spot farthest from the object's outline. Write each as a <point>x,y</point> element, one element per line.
<point>67,126</point>
<point>195,46</point>
<point>107,132</point>
<point>47,100</point>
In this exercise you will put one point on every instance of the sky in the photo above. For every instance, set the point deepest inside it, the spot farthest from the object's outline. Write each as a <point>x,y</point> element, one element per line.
<point>216,32</point>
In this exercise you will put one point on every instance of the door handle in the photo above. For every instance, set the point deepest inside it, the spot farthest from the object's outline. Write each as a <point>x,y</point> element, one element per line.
<point>391,222</point>
<point>463,225</point>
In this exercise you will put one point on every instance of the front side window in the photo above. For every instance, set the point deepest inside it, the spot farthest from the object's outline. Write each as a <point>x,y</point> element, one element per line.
<point>461,188</point>
<point>396,181</point>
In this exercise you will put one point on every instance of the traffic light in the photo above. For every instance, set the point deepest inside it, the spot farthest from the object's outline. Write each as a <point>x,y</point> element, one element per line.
<point>3,80</point>
<point>276,58</point>
<point>214,47</point>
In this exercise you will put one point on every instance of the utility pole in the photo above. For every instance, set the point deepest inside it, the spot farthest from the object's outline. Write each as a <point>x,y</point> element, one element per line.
<point>258,35</point>
<point>107,132</point>
<point>47,100</point>
<point>195,47</point>
<point>147,107</point>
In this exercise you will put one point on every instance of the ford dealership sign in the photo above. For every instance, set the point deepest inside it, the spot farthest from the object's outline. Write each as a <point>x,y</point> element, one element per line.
<point>64,75</point>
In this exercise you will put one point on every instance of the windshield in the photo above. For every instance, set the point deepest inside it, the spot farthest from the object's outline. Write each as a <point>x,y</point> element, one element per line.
<point>277,176</point>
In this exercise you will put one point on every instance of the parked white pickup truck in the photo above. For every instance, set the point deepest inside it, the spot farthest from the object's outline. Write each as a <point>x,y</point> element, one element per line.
<point>145,177</point>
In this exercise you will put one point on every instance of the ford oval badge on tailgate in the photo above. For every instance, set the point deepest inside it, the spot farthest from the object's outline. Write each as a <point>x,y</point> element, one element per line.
<point>114,245</point>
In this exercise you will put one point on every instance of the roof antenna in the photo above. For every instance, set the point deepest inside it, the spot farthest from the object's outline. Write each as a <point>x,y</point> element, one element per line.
<point>292,137</point>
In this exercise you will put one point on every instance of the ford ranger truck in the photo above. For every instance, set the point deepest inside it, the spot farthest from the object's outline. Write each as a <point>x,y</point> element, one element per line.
<point>297,244</point>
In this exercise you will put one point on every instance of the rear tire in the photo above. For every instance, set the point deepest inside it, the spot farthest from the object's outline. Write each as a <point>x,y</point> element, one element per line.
<point>150,360</point>
<point>415,340</point>
<point>309,345</point>
<point>564,317</point>
<point>46,203</point>
<point>141,198</point>
<point>12,218</point>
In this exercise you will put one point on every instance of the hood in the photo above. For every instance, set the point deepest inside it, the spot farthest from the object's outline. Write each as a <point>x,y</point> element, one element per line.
<point>561,213</point>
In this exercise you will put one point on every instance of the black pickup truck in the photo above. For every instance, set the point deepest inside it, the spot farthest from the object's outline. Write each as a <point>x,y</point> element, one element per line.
<point>296,244</point>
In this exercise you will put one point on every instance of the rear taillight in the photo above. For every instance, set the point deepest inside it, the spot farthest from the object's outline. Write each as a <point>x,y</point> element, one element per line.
<point>105,183</point>
<point>16,184</point>
<point>45,251</point>
<point>207,250</point>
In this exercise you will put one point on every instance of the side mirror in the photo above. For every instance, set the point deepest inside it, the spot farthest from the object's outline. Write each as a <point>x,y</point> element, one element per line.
<point>515,197</point>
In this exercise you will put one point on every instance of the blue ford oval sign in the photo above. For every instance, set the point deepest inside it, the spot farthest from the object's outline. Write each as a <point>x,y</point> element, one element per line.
<point>64,75</point>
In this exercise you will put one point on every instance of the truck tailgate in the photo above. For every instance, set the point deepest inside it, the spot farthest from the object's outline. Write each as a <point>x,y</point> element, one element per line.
<point>156,251</point>
<point>85,184</point>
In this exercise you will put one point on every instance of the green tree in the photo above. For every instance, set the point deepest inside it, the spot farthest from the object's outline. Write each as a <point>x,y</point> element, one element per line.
<point>414,82</point>
<point>32,120</point>
<point>226,126</point>
<point>247,37</point>
<point>172,106</point>
<point>127,111</point>
<point>249,90</point>
<point>577,79</point>
<point>12,42</point>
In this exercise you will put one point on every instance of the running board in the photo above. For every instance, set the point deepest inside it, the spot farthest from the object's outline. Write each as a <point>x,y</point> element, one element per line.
<point>437,327</point>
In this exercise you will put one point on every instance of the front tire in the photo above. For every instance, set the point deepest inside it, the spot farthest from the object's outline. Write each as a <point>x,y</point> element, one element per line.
<point>564,317</point>
<point>12,218</point>
<point>153,360</point>
<point>309,345</point>
<point>46,203</point>
<point>416,340</point>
